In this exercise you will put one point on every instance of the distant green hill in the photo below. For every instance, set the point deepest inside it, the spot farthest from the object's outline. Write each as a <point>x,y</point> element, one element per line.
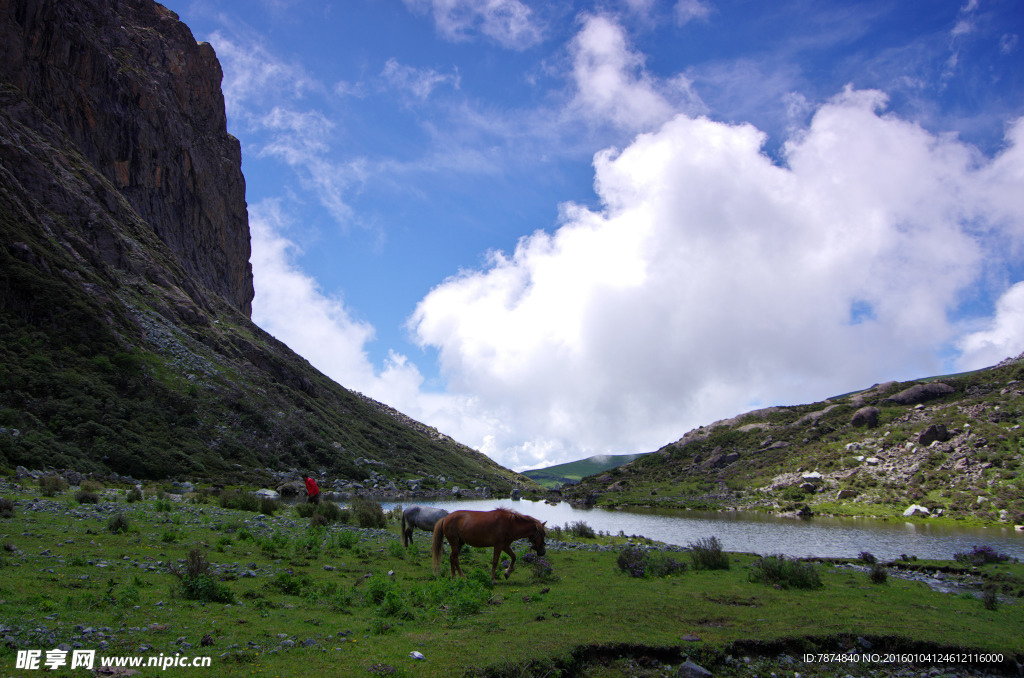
<point>554,477</point>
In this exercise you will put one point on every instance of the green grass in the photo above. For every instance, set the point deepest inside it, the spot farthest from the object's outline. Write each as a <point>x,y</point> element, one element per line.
<point>363,601</point>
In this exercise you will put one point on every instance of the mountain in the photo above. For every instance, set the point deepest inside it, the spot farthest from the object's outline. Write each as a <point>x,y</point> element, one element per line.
<point>948,445</point>
<point>126,343</point>
<point>554,477</point>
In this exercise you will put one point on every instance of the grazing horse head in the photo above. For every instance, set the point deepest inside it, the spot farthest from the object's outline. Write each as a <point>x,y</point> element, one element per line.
<point>537,540</point>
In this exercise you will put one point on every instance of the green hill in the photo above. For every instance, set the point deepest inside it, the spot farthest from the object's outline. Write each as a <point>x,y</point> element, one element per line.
<point>554,477</point>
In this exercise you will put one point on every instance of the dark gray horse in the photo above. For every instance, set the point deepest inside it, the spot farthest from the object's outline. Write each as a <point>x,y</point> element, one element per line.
<point>422,517</point>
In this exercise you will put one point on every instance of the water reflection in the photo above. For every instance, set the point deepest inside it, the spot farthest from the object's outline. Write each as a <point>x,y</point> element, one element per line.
<point>764,534</point>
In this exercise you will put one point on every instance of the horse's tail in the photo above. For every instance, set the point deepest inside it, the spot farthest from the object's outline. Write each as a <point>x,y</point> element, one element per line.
<point>404,540</point>
<point>437,548</point>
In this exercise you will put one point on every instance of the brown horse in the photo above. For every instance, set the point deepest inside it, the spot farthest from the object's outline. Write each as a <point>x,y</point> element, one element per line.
<point>497,528</point>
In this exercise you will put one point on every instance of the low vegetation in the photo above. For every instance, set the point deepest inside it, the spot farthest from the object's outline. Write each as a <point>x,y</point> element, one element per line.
<point>262,594</point>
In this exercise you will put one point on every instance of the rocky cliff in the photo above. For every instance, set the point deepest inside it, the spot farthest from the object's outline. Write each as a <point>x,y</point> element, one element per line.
<point>141,100</point>
<point>125,288</point>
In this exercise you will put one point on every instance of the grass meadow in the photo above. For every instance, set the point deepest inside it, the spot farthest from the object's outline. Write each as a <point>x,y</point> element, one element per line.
<point>268,594</point>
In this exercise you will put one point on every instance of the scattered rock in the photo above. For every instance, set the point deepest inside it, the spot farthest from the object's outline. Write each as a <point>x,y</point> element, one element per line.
<point>691,670</point>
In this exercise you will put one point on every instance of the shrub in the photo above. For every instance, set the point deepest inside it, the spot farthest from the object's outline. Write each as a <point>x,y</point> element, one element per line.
<point>878,573</point>
<point>6,507</point>
<point>369,513</point>
<point>134,495</point>
<point>83,496</point>
<point>268,506</point>
<point>633,561</point>
<point>540,566</point>
<point>290,584</point>
<point>867,557</point>
<point>347,539</point>
<point>90,486</point>
<point>118,523</point>
<point>195,582</point>
<point>240,501</point>
<point>990,597</point>
<point>640,562</point>
<point>50,486</point>
<point>581,530</point>
<point>780,571</point>
<point>980,555</point>
<point>707,554</point>
<point>322,514</point>
<point>395,605</point>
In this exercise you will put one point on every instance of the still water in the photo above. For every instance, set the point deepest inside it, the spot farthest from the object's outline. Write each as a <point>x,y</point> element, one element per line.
<point>763,534</point>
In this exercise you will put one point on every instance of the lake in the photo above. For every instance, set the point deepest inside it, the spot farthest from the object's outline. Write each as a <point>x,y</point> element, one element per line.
<point>765,534</point>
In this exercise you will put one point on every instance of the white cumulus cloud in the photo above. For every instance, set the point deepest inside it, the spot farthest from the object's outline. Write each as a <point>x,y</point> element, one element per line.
<point>712,280</point>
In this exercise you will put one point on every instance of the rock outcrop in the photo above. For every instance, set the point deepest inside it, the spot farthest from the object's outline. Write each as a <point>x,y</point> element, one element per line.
<point>141,99</point>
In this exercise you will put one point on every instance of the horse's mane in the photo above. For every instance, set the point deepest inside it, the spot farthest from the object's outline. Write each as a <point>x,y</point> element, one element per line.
<point>512,513</point>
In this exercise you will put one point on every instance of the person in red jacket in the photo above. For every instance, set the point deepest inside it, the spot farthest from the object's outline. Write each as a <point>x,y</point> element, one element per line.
<point>312,491</point>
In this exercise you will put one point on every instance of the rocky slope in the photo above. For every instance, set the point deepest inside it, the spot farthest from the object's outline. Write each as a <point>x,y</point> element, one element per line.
<point>948,446</point>
<point>125,287</point>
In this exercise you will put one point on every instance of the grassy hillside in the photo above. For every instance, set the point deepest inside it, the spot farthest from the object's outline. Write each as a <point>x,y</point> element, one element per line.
<point>553,477</point>
<point>818,458</point>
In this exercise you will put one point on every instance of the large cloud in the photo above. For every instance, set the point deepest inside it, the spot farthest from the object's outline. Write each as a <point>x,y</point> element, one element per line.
<point>712,279</point>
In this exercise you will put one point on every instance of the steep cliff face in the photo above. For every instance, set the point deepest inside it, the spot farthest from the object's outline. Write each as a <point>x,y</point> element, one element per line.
<point>125,338</point>
<point>127,82</point>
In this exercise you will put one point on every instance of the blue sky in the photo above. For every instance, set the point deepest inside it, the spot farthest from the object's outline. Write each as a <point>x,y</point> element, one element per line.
<point>558,229</point>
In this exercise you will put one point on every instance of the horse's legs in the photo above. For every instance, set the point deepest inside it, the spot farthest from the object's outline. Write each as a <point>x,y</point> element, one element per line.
<point>511,565</point>
<point>454,559</point>
<point>494,561</point>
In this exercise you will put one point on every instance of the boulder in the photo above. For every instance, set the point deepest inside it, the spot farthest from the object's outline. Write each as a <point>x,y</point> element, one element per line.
<point>811,477</point>
<point>915,510</point>
<point>295,488</point>
<point>935,432</point>
<point>269,494</point>
<point>920,393</point>
<point>866,416</point>
<point>846,494</point>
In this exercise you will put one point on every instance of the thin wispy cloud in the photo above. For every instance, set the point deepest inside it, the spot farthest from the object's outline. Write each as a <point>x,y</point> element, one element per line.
<point>420,82</point>
<point>692,10</point>
<point>510,23</point>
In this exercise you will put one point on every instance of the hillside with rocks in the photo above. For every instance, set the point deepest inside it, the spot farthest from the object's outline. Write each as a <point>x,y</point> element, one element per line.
<point>948,447</point>
<point>126,344</point>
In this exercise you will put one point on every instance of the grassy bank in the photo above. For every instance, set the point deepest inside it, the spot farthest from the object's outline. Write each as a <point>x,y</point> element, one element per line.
<point>271,596</point>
